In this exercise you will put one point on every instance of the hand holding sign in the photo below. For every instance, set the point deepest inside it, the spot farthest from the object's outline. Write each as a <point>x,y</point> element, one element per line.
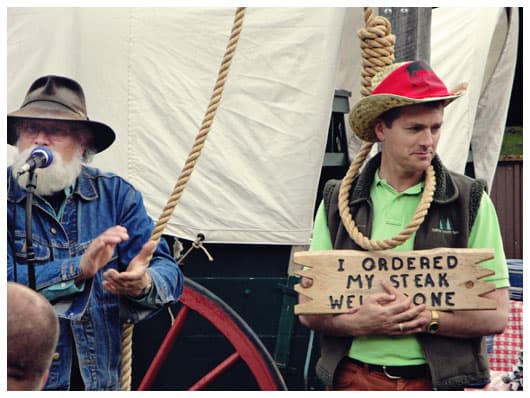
<point>444,279</point>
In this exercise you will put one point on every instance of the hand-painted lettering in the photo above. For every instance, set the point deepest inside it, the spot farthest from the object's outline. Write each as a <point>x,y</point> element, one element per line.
<point>397,263</point>
<point>341,265</point>
<point>452,262</point>
<point>359,280</point>
<point>368,264</point>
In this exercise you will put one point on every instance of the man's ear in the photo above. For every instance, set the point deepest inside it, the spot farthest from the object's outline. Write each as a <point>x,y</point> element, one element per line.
<point>379,130</point>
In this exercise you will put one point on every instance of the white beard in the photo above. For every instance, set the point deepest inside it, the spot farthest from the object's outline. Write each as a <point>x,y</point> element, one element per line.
<point>55,177</point>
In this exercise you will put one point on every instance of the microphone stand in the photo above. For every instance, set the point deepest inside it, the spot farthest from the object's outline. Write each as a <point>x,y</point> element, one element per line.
<point>30,253</point>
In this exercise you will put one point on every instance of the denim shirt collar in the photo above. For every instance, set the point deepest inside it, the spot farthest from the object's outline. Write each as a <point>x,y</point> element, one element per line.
<point>85,186</point>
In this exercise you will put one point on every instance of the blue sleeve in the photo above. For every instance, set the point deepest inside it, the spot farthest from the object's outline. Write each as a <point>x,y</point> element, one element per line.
<point>56,273</point>
<point>167,277</point>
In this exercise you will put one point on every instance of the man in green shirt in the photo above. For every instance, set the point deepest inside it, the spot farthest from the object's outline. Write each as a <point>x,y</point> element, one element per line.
<point>389,343</point>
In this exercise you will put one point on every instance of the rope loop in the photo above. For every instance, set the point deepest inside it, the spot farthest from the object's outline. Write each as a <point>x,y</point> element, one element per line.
<point>197,244</point>
<point>377,51</point>
<point>377,48</point>
<point>408,231</point>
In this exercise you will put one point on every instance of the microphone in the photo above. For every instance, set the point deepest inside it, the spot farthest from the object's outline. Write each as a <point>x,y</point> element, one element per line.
<point>39,158</point>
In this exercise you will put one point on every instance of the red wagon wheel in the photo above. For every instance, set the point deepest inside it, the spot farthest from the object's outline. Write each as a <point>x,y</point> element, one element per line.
<point>247,346</point>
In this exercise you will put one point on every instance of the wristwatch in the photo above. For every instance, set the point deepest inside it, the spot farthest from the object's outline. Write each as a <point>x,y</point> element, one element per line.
<point>434,325</point>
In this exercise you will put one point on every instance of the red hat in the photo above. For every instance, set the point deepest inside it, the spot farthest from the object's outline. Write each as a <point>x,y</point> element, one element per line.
<point>406,83</point>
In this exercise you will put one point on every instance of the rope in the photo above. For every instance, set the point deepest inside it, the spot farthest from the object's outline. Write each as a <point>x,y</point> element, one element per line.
<point>196,244</point>
<point>377,48</point>
<point>126,356</point>
<point>377,51</point>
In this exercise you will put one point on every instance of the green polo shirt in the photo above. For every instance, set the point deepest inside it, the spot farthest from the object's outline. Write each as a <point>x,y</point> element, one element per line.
<point>392,212</point>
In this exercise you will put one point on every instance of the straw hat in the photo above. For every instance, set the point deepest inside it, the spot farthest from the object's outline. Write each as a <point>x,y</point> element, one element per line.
<point>58,98</point>
<point>405,83</point>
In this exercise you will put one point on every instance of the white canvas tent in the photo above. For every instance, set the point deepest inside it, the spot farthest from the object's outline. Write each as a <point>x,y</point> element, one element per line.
<point>149,73</point>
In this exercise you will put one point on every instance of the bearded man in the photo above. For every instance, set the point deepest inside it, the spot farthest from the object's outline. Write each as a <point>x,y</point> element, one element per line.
<point>93,259</point>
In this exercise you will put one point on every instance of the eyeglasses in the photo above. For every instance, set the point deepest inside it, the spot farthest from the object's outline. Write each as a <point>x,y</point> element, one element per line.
<point>54,131</point>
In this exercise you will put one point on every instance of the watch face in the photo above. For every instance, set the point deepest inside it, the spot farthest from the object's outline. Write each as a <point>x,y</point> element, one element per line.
<point>433,327</point>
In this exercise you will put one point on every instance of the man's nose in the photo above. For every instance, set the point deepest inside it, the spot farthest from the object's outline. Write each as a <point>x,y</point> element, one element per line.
<point>42,138</point>
<point>427,138</point>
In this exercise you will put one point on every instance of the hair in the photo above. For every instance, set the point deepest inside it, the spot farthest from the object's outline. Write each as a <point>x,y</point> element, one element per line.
<point>87,139</point>
<point>392,114</point>
<point>32,335</point>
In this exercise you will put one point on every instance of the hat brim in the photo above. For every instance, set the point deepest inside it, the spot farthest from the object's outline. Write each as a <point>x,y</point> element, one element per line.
<point>364,113</point>
<point>103,135</point>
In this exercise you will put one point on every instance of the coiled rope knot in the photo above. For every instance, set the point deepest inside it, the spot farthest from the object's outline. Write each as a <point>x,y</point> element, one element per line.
<point>377,52</point>
<point>377,48</point>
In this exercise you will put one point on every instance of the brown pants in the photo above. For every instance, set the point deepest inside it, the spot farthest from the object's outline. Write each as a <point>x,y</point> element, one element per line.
<point>350,376</point>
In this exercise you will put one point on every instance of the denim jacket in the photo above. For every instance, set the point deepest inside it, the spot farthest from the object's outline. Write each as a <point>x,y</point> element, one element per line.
<point>91,319</point>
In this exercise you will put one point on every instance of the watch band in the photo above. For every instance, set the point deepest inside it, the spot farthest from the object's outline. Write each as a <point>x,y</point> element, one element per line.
<point>435,315</point>
<point>434,325</point>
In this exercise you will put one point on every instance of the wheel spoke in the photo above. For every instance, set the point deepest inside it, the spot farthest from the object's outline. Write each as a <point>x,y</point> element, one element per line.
<point>216,372</point>
<point>165,348</point>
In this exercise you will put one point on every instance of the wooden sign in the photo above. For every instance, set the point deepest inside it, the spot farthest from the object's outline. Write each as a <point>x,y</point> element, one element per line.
<point>443,278</point>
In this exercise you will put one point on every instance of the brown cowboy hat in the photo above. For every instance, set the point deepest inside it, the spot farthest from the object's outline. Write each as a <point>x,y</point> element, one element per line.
<point>58,98</point>
<point>401,84</point>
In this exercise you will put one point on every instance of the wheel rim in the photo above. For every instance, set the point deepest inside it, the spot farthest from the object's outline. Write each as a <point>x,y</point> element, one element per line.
<point>247,346</point>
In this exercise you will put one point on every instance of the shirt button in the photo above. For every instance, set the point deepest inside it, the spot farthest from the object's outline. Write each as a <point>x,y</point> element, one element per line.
<point>56,356</point>
<point>53,230</point>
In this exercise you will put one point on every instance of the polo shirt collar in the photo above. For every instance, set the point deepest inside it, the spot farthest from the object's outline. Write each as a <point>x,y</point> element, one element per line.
<point>413,190</point>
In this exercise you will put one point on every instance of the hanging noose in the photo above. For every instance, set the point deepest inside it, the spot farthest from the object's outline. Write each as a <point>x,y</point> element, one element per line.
<point>127,332</point>
<point>377,50</point>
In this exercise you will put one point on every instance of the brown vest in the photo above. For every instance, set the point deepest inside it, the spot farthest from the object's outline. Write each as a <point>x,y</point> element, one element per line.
<point>447,224</point>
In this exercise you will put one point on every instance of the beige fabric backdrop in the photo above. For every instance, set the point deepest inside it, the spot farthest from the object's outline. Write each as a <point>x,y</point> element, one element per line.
<point>149,73</point>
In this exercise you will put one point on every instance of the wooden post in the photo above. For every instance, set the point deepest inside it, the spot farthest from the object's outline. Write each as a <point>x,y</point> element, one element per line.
<point>412,27</point>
